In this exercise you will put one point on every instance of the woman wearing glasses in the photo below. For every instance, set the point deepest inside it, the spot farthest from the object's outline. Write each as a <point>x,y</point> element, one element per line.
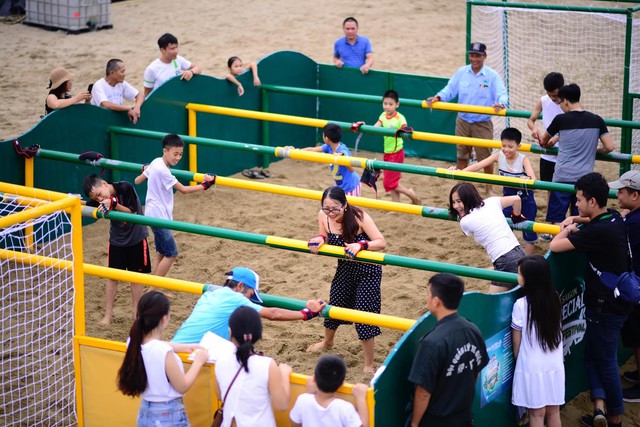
<point>355,285</point>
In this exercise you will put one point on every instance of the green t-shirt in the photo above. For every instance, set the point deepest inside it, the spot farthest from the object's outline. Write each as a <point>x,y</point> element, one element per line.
<point>391,143</point>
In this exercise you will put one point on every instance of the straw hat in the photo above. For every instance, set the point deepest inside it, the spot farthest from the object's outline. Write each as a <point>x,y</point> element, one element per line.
<point>59,76</point>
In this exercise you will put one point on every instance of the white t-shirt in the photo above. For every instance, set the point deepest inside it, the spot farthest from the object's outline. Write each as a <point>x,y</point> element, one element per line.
<point>248,401</point>
<point>489,228</point>
<point>159,72</point>
<point>549,111</point>
<point>159,389</point>
<point>103,91</point>
<point>159,203</point>
<point>308,412</point>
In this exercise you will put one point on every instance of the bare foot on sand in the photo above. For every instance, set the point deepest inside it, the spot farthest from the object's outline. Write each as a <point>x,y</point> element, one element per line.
<point>414,198</point>
<point>105,320</point>
<point>370,369</point>
<point>319,346</point>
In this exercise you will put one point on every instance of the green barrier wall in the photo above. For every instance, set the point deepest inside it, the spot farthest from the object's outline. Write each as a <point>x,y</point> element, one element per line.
<point>83,127</point>
<point>492,314</point>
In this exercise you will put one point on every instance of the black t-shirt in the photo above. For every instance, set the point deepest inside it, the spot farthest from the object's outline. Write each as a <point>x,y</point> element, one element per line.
<point>632,221</point>
<point>125,233</point>
<point>447,363</point>
<point>604,242</point>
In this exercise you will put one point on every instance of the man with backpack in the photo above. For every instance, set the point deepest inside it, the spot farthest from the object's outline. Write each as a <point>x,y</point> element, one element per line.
<point>600,234</point>
<point>628,186</point>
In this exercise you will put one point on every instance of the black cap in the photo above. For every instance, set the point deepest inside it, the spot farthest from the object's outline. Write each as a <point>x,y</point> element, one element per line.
<point>479,48</point>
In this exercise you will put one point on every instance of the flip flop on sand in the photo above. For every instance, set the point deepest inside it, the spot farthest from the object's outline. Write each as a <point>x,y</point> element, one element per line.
<point>253,174</point>
<point>265,173</point>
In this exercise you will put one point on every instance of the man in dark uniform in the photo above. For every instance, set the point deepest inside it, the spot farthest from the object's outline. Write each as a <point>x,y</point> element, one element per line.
<point>448,361</point>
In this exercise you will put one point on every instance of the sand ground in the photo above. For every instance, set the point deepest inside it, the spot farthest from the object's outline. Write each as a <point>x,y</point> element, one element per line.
<point>411,36</point>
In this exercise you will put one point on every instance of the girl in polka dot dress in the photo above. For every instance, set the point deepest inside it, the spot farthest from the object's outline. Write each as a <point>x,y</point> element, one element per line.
<point>355,285</point>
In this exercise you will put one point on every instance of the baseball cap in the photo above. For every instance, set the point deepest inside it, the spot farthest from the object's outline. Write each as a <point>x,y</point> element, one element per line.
<point>629,179</point>
<point>476,47</point>
<point>249,278</point>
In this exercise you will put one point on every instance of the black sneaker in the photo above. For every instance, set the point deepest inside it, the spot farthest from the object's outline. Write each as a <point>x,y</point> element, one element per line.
<point>631,376</point>
<point>631,394</point>
<point>596,420</point>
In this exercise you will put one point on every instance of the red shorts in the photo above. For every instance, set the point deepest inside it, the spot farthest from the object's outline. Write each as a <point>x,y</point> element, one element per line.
<point>391,179</point>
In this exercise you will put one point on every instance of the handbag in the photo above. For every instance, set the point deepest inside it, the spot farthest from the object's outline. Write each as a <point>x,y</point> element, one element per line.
<point>218,416</point>
<point>625,286</point>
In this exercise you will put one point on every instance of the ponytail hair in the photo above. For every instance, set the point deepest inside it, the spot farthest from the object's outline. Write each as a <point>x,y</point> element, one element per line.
<point>351,214</point>
<point>246,328</point>
<point>132,376</point>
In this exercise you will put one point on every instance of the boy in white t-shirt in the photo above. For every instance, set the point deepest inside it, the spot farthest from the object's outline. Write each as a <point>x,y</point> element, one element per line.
<point>320,407</point>
<point>169,65</point>
<point>159,201</point>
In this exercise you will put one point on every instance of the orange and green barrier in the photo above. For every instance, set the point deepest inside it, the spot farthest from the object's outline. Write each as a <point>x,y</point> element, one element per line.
<point>373,130</point>
<point>424,211</point>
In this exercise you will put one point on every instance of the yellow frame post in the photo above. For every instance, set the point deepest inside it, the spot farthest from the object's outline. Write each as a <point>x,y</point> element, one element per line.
<point>193,148</point>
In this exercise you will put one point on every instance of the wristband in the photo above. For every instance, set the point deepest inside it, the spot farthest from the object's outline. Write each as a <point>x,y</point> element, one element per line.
<point>208,184</point>
<point>146,165</point>
<point>307,314</point>
<point>324,238</point>
<point>364,245</point>
<point>114,202</point>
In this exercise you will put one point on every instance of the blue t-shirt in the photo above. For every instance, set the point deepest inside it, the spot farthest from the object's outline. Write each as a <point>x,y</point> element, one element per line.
<point>483,89</point>
<point>352,55</point>
<point>343,177</point>
<point>211,313</point>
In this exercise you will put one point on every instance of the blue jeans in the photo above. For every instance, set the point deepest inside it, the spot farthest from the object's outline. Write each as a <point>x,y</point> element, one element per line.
<point>164,242</point>
<point>162,414</point>
<point>601,358</point>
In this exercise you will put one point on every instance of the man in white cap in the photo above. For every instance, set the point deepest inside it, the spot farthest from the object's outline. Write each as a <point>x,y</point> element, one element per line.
<point>474,84</point>
<point>628,187</point>
<point>213,309</point>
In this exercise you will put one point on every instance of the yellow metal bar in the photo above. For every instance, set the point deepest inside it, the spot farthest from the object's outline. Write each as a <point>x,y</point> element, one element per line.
<point>383,320</point>
<point>315,195</point>
<point>463,108</point>
<point>77,363</point>
<point>312,156</point>
<point>328,249</point>
<point>29,172</point>
<point>193,148</point>
<point>488,177</point>
<point>23,201</point>
<point>35,193</point>
<point>78,266</point>
<point>28,214</point>
<point>257,115</point>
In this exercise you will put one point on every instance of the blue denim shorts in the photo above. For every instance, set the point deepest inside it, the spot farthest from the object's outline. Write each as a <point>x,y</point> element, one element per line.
<point>508,263</point>
<point>164,242</point>
<point>559,203</point>
<point>162,414</point>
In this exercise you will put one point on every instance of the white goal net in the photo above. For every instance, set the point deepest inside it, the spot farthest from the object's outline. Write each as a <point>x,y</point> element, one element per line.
<point>36,320</point>
<point>588,48</point>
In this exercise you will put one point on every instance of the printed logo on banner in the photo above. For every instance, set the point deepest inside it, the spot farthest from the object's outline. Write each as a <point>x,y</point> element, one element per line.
<point>574,323</point>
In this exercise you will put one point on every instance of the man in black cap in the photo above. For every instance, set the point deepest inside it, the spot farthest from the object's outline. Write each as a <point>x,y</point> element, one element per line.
<point>474,84</point>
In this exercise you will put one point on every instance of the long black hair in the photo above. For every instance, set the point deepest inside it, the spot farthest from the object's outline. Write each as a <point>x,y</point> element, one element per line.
<point>132,376</point>
<point>246,328</point>
<point>469,197</point>
<point>351,214</point>
<point>543,308</point>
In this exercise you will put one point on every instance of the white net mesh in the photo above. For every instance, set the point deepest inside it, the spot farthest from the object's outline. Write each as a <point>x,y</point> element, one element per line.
<point>36,322</point>
<point>588,48</point>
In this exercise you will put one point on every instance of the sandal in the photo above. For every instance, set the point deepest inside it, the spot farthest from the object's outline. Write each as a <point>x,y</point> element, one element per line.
<point>265,173</point>
<point>253,174</point>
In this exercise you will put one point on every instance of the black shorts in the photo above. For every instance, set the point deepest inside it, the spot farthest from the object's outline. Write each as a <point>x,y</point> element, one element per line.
<point>132,258</point>
<point>547,169</point>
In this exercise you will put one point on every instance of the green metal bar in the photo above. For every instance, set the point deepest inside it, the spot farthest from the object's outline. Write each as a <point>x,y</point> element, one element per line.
<point>549,7</point>
<point>410,102</point>
<point>627,106</point>
<point>378,164</point>
<point>261,239</point>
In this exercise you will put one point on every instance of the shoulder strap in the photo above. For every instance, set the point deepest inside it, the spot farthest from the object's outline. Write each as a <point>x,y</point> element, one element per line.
<point>230,385</point>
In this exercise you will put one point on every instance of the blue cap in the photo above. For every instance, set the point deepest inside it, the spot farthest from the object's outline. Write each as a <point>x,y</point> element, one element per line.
<point>249,278</point>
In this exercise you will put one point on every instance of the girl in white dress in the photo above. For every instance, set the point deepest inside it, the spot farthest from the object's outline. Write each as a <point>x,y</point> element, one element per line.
<point>536,331</point>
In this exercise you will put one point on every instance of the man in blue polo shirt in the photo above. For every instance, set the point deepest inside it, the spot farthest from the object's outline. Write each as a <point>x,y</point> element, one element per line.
<point>213,309</point>
<point>353,50</point>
